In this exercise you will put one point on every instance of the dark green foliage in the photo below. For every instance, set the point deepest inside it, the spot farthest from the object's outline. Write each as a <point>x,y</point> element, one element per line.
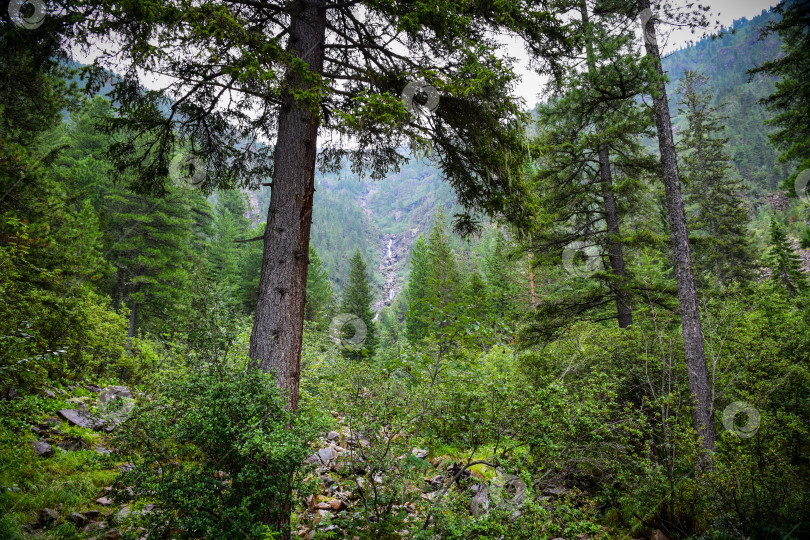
<point>356,301</point>
<point>717,215</point>
<point>320,298</point>
<point>784,263</point>
<point>434,282</point>
<point>210,450</point>
<point>791,99</point>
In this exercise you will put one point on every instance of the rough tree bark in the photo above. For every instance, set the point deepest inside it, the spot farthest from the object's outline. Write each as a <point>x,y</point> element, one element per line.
<point>687,294</point>
<point>275,342</point>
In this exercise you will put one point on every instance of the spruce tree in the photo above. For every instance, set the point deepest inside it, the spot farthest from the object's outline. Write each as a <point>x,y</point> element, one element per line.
<point>434,284</point>
<point>356,302</point>
<point>718,219</point>
<point>320,298</point>
<point>418,291</point>
<point>785,265</point>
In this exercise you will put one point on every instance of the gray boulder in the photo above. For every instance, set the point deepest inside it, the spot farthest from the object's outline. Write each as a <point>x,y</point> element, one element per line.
<point>42,448</point>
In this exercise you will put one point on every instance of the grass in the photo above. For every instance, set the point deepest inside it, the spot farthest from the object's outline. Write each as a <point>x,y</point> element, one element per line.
<point>65,482</point>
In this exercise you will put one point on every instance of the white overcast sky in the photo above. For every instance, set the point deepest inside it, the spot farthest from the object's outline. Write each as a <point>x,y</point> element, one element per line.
<point>531,83</point>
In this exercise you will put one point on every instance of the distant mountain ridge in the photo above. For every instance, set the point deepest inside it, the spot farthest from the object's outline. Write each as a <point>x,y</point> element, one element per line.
<point>352,213</point>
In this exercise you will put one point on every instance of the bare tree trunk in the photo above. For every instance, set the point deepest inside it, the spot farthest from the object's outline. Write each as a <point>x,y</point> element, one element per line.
<point>687,294</point>
<point>624,313</point>
<point>275,342</point>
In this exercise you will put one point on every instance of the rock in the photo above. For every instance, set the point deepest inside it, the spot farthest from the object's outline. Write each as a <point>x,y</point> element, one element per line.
<point>104,501</point>
<point>95,526</point>
<point>313,459</point>
<point>125,467</point>
<point>48,394</point>
<point>337,505</point>
<point>105,491</point>
<point>77,518</point>
<point>113,392</point>
<point>420,453</point>
<point>77,418</point>
<point>92,514</point>
<point>102,450</point>
<point>323,506</point>
<point>339,448</point>
<point>78,402</point>
<point>51,421</point>
<point>113,534</point>
<point>480,501</point>
<point>92,388</point>
<point>124,512</point>
<point>556,491</point>
<point>333,435</point>
<point>43,449</point>
<point>46,516</point>
<point>658,534</point>
<point>72,444</point>
<point>326,455</point>
<point>436,482</point>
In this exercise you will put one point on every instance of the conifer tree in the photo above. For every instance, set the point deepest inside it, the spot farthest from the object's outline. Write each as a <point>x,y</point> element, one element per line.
<point>357,302</point>
<point>434,282</point>
<point>320,298</point>
<point>417,321</point>
<point>785,265</point>
<point>718,221</point>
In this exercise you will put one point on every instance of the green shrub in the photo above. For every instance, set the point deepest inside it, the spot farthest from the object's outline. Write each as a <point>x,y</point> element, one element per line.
<point>215,451</point>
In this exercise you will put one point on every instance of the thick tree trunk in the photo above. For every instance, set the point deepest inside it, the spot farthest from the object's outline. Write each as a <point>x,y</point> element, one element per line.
<point>624,313</point>
<point>275,342</point>
<point>687,294</point>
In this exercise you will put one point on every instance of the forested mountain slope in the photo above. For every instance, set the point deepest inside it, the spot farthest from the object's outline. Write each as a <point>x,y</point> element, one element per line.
<point>352,212</point>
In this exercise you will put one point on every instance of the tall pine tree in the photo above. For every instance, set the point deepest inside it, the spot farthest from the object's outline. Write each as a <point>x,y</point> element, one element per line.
<point>718,219</point>
<point>785,265</point>
<point>357,301</point>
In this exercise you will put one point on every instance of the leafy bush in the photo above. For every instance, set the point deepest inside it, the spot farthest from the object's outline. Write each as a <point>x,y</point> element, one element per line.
<point>215,451</point>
